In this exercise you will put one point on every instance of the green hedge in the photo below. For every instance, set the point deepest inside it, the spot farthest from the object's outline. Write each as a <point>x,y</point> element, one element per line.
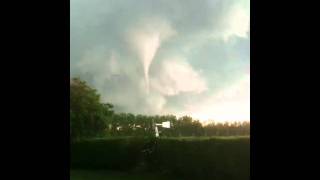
<point>191,158</point>
<point>220,159</point>
<point>116,153</point>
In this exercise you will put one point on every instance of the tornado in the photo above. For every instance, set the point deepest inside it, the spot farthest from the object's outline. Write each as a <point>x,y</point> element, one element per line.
<point>148,49</point>
<point>146,39</point>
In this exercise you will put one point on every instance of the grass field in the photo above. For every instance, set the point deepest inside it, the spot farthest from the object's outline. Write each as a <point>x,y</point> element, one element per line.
<point>114,175</point>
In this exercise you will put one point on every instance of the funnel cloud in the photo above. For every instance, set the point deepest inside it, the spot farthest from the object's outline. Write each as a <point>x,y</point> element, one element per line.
<point>146,38</point>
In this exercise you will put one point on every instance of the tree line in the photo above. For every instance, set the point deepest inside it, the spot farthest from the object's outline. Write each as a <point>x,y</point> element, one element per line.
<point>91,118</point>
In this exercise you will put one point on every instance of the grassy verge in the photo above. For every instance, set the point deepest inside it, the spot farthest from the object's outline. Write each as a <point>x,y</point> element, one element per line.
<point>114,175</point>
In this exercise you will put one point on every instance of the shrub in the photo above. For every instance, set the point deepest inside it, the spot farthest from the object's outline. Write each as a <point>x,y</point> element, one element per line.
<point>221,159</point>
<point>115,153</point>
<point>190,158</point>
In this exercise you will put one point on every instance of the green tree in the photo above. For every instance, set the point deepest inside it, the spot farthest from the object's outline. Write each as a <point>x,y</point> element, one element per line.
<point>87,114</point>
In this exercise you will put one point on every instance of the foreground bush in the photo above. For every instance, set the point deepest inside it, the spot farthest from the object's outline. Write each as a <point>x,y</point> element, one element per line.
<point>116,153</point>
<point>219,159</point>
<point>191,158</point>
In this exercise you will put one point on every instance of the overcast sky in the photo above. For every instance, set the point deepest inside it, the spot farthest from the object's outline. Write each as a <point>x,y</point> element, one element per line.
<point>181,57</point>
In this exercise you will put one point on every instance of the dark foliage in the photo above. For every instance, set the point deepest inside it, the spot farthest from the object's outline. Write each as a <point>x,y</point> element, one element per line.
<point>193,158</point>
